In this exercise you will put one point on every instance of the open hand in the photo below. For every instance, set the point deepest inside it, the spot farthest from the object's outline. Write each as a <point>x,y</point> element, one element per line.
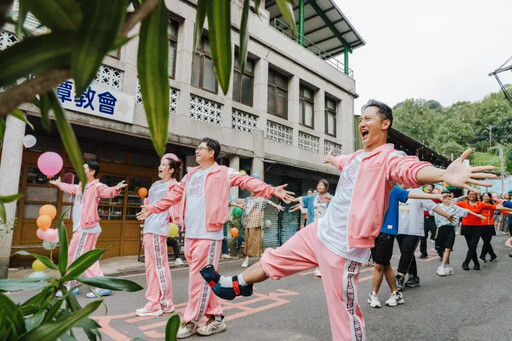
<point>142,215</point>
<point>459,175</point>
<point>55,182</point>
<point>280,208</point>
<point>452,218</point>
<point>329,158</point>
<point>283,194</point>
<point>120,185</point>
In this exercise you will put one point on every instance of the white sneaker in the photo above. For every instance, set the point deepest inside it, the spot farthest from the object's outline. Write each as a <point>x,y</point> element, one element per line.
<point>373,300</point>
<point>100,292</point>
<point>225,256</point>
<point>448,270</point>
<point>317,273</point>
<point>59,293</point>
<point>169,311</point>
<point>147,312</point>
<point>245,263</point>
<point>395,299</point>
<point>212,326</point>
<point>178,262</point>
<point>441,271</point>
<point>186,330</point>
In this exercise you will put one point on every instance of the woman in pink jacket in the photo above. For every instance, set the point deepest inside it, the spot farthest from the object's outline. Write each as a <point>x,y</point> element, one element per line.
<point>156,230</point>
<point>341,240</point>
<point>86,221</point>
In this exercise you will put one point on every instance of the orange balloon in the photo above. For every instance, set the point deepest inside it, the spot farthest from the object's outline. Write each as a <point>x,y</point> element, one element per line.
<point>234,232</point>
<point>44,222</point>
<point>143,192</point>
<point>48,210</point>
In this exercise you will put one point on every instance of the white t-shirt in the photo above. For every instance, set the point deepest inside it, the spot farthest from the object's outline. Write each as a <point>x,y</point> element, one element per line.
<point>77,212</point>
<point>195,213</point>
<point>332,228</point>
<point>158,223</point>
<point>411,220</point>
<point>319,208</point>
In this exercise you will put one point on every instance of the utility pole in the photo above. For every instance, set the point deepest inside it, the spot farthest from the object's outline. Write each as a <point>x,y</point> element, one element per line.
<point>502,162</point>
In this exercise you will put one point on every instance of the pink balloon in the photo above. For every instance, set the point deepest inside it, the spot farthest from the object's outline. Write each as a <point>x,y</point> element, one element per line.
<point>69,178</point>
<point>49,164</point>
<point>50,235</point>
<point>40,234</point>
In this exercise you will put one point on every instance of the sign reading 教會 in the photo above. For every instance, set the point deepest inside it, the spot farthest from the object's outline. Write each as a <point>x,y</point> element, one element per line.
<point>98,101</point>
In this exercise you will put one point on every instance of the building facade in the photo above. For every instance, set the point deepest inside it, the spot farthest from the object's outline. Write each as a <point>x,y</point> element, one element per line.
<point>292,104</point>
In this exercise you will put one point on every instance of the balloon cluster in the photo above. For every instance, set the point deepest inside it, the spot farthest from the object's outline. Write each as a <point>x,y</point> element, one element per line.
<point>46,214</point>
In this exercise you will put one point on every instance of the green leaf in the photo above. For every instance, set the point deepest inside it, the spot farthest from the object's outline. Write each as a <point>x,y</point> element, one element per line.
<point>10,198</point>
<point>33,304</point>
<point>22,16</point>
<point>152,65</point>
<point>45,260</point>
<point>219,27</point>
<point>73,303</point>
<point>63,244</point>
<point>85,324</point>
<point>50,331</point>
<point>54,309</point>
<point>286,8</point>
<point>44,106</point>
<point>58,15</point>
<point>112,283</point>
<point>202,8</point>
<point>171,329</point>
<point>257,6</point>
<point>34,321</point>
<point>22,284</point>
<point>101,23</point>
<point>20,115</point>
<point>12,313</point>
<point>83,263</point>
<point>2,130</point>
<point>34,55</point>
<point>68,138</point>
<point>3,214</point>
<point>244,35</point>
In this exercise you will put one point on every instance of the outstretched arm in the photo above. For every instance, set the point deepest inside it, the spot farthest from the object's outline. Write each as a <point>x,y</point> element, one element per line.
<point>109,192</point>
<point>279,207</point>
<point>66,188</point>
<point>451,217</point>
<point>258,187</point>
<point>172,197</point>
<point>423,195</point>
<point>457,174</point>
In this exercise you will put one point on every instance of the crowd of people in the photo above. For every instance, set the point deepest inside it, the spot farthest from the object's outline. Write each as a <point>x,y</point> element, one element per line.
<point>341,231</point>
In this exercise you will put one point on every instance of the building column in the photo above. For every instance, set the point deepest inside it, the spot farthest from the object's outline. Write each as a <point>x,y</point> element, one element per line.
<point>10,170</point>
<point>184,56</point>
<point>258,141</point>
<point>261,91</point>
<point>293,106</point>
<point>234,162</point>
<point>319,111</point>
<point>346,50</point>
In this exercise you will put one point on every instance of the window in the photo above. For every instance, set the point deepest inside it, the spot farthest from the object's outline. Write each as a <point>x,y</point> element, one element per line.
<point>330,117</point>
<point>203,74</point>
<point>243,83</point>
<point>306,103</point>
<point>277,94</point>
<point>173,43</point>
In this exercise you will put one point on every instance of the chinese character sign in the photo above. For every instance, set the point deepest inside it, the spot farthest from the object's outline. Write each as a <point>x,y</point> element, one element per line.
<point>98,101</point>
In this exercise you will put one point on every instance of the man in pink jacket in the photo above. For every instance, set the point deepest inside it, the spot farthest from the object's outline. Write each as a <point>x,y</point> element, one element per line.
<point>340,241</point>
<point>203,195</point>
<point>86,227</point>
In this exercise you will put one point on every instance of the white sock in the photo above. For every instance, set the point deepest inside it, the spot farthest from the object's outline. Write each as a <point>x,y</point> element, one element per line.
<point>226,281</point>
<point>241,280</point>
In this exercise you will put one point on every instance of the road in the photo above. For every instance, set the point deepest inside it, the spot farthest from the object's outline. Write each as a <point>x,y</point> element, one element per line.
<point>470,305</point>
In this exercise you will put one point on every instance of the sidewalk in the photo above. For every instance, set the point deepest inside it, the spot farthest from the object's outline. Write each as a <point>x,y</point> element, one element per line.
<point>115,266</point>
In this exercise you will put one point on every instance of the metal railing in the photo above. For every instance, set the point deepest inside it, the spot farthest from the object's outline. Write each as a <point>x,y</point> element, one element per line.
<point>309,45</point>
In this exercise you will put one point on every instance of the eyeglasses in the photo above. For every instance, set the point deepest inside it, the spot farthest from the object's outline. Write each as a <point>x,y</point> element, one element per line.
<point>201,147</point>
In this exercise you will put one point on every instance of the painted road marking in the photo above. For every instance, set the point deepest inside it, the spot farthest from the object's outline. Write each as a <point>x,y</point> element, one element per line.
<point>156,328</point>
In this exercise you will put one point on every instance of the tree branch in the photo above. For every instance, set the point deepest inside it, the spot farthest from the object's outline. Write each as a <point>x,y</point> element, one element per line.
<point>27,91</point>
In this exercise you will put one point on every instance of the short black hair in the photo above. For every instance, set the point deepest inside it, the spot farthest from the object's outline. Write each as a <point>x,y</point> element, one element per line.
<point>384,110</point>
<point>213,145</point>
<point>325,182</point>
<point>446,192</point>
<point>94,166</point>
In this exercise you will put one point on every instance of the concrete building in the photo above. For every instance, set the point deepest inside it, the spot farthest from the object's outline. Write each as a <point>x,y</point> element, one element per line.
<point>281,116</point>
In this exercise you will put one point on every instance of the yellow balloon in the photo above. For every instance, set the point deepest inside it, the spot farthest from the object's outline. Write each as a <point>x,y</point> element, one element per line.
<point>173,230</point>
<point>37,265</point>
<point>242,171</point>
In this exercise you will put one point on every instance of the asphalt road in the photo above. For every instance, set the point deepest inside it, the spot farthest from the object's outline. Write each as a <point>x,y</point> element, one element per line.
<point>470,305</point>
